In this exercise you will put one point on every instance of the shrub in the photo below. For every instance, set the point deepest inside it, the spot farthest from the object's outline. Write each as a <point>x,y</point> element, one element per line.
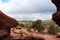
<point>21,32</point>
<point>22,25</point>
<point>53,29</point>
<point>38,25</point>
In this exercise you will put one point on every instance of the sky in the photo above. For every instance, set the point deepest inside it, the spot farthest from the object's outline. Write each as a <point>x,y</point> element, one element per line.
<point>28,9</point>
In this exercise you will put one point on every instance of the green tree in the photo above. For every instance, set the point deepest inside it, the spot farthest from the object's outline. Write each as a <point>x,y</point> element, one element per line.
<point>38,25</point>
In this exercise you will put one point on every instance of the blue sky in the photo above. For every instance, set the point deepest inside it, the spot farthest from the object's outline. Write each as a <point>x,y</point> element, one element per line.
<point>5,0</point>
<point>28,9</point>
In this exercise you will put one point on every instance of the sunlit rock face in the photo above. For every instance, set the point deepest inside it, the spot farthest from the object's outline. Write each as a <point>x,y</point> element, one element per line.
<point>56,15</point>
<point>6,23</point>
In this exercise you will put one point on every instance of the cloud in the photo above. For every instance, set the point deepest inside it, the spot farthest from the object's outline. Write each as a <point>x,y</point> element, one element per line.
<point>33,16</point>
<point>28,9</point>
<point>28,6</point>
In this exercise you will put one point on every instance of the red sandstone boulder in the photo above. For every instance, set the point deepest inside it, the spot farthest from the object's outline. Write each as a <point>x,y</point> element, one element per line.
<point>6,21</point>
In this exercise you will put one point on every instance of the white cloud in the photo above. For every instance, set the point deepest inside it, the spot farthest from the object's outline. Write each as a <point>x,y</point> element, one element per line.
<point>33,16</point>
<point>27,6</point>
<point>28,9</point>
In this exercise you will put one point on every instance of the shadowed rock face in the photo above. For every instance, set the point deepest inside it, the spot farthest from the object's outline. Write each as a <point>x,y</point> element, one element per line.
<point>56,16</point>
<point>57,3</point>
<point>6,23</point>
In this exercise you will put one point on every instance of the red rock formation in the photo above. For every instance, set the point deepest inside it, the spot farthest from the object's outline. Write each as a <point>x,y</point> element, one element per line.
<point>56,16</point>
<point>6,23</point>
<point>15,33</point>
<point>57,3</point>
<point>30,35</point>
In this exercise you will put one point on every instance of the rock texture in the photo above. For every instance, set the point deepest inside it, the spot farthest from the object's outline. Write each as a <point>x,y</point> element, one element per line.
<point>6,23</point>
<point>56,15</point>
<point>30,35</point>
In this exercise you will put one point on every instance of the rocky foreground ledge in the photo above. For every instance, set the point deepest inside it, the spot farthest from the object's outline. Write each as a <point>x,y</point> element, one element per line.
<point>16,34</point>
